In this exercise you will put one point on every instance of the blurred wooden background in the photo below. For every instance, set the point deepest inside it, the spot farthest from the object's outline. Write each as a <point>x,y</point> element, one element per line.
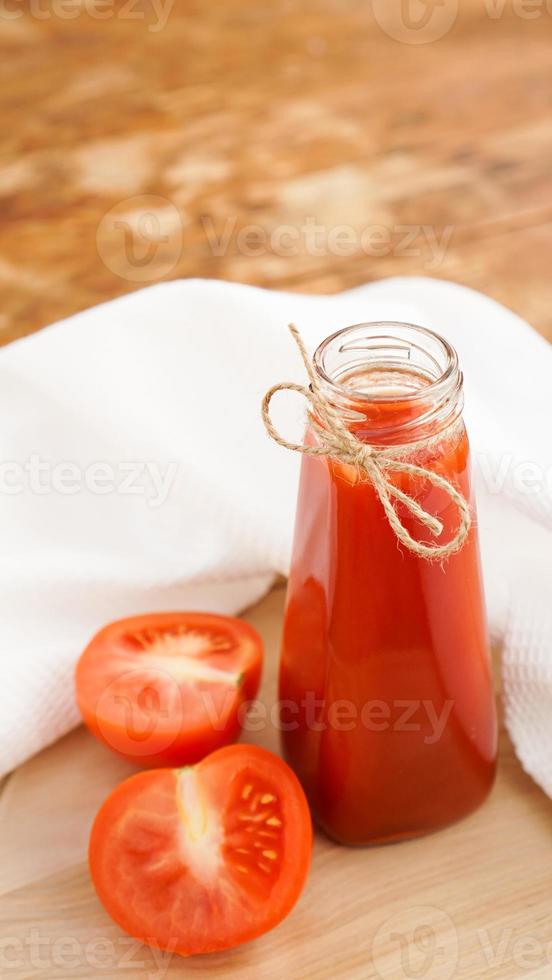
<point>144,138</point>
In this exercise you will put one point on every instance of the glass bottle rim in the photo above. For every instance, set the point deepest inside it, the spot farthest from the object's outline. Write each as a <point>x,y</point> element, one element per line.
<point>445,384</point>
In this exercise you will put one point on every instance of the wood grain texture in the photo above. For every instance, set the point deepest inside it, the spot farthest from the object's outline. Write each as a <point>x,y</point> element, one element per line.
<point>482,887</point>
<point>134,143</point>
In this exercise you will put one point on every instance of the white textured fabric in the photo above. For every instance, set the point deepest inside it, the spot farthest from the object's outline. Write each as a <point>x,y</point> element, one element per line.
<point>165,385</point>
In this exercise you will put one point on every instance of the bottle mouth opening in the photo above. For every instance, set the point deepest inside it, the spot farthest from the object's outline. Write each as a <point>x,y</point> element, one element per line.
<point>387,361</point>
<point>395,378</point>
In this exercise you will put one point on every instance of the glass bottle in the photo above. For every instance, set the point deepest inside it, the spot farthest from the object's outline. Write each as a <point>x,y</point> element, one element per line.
<point>387,703</point>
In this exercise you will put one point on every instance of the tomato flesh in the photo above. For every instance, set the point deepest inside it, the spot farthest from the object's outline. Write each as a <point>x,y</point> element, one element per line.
<point>166,689</point>
<point>203,858</point>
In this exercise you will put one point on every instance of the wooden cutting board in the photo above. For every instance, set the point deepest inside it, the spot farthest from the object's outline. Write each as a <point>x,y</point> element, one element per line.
<point>473,901</point>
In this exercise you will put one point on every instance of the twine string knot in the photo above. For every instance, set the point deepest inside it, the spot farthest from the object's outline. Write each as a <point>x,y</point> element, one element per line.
<point>336,441</point>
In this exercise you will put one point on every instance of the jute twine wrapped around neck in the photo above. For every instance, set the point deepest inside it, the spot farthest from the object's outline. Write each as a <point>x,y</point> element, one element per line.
<point>337,442</point>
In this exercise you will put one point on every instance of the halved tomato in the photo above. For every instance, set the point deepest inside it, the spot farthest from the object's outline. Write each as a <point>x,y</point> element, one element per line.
<point>203,858</point>
<point>167,688</point>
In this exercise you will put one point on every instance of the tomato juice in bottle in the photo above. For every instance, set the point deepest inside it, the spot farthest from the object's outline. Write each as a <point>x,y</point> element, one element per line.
<point>387,703</point>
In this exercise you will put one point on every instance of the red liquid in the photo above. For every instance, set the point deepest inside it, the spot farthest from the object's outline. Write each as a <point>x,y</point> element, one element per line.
<point>385,679</point>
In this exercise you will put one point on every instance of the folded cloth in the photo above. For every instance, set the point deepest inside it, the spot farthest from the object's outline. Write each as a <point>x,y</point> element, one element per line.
<point>136,476</point>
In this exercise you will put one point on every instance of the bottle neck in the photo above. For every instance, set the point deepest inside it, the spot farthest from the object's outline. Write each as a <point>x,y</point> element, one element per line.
<point>393,383</point>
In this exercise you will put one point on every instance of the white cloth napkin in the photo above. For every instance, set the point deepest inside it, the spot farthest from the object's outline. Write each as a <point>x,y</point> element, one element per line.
<point>136,476</point>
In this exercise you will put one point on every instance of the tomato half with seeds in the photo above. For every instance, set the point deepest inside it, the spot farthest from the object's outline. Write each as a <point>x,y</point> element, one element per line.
<point>203,858</point>
<point>165,689</point>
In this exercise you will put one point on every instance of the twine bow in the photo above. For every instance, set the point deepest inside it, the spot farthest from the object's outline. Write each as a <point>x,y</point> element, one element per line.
<point>338,442</point>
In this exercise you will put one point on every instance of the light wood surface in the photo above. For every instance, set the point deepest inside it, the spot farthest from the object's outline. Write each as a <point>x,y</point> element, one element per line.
<point>470,902</point>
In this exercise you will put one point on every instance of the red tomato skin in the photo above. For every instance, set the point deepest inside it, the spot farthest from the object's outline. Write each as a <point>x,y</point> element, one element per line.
<point>296,861</point>
<point>187,744</point>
